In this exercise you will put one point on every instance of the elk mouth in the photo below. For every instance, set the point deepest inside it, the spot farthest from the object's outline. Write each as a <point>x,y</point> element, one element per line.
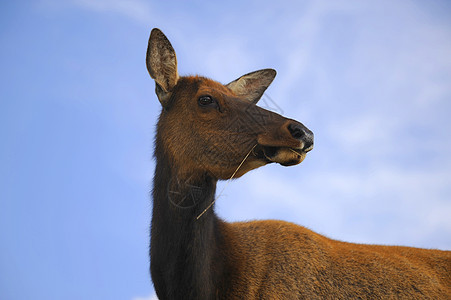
<point>285,156</point>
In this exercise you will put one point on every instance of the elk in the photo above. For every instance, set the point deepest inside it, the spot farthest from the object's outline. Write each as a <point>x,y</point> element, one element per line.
<point>208,132</point>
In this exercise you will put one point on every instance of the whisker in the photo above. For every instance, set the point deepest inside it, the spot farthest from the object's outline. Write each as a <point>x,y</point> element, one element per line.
<point>294,151</point>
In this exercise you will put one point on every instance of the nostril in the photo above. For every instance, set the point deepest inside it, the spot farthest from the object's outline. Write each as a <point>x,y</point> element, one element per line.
<point>296,131</point>
<point>301,133</point>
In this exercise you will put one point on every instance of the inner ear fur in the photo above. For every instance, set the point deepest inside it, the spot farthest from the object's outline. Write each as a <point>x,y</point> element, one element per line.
<point>251,86</point>
<point>161,63</point>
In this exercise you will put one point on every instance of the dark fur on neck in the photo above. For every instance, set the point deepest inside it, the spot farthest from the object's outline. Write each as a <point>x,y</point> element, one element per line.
<point>185,260</point>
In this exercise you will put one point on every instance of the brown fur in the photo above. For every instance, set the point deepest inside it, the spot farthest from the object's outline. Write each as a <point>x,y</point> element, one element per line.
<point>280,260</point>
<point>199,142</point>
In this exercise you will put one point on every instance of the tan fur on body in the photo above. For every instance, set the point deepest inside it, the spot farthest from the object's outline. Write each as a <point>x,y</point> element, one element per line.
<point>281,260</point>
<point>207,132</point>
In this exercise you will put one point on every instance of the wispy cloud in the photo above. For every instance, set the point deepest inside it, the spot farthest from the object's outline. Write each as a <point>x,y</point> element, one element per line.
<point>383,204</point>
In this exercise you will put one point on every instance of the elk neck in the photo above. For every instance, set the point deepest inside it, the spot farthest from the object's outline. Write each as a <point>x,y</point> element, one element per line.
<point>184,250</point>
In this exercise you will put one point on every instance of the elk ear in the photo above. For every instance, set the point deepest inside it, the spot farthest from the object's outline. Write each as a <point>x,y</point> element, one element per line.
<point>162,65</point>
<point>252,86</point>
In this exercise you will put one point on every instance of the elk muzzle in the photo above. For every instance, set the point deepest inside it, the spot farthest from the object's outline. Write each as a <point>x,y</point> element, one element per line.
<point>287,144</point>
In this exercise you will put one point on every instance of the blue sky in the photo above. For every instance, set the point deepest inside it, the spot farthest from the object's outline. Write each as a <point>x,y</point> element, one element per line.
<point>78,112</point>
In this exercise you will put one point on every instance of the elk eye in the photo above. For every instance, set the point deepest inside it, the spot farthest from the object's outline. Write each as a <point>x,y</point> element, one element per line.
<point>205,101</point>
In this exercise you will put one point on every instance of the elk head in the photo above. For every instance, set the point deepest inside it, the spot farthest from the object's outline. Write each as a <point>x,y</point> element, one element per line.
<point>207,127</point>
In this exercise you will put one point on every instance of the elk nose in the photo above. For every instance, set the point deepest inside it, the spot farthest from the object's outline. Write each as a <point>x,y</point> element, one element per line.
<point>301,133</point>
